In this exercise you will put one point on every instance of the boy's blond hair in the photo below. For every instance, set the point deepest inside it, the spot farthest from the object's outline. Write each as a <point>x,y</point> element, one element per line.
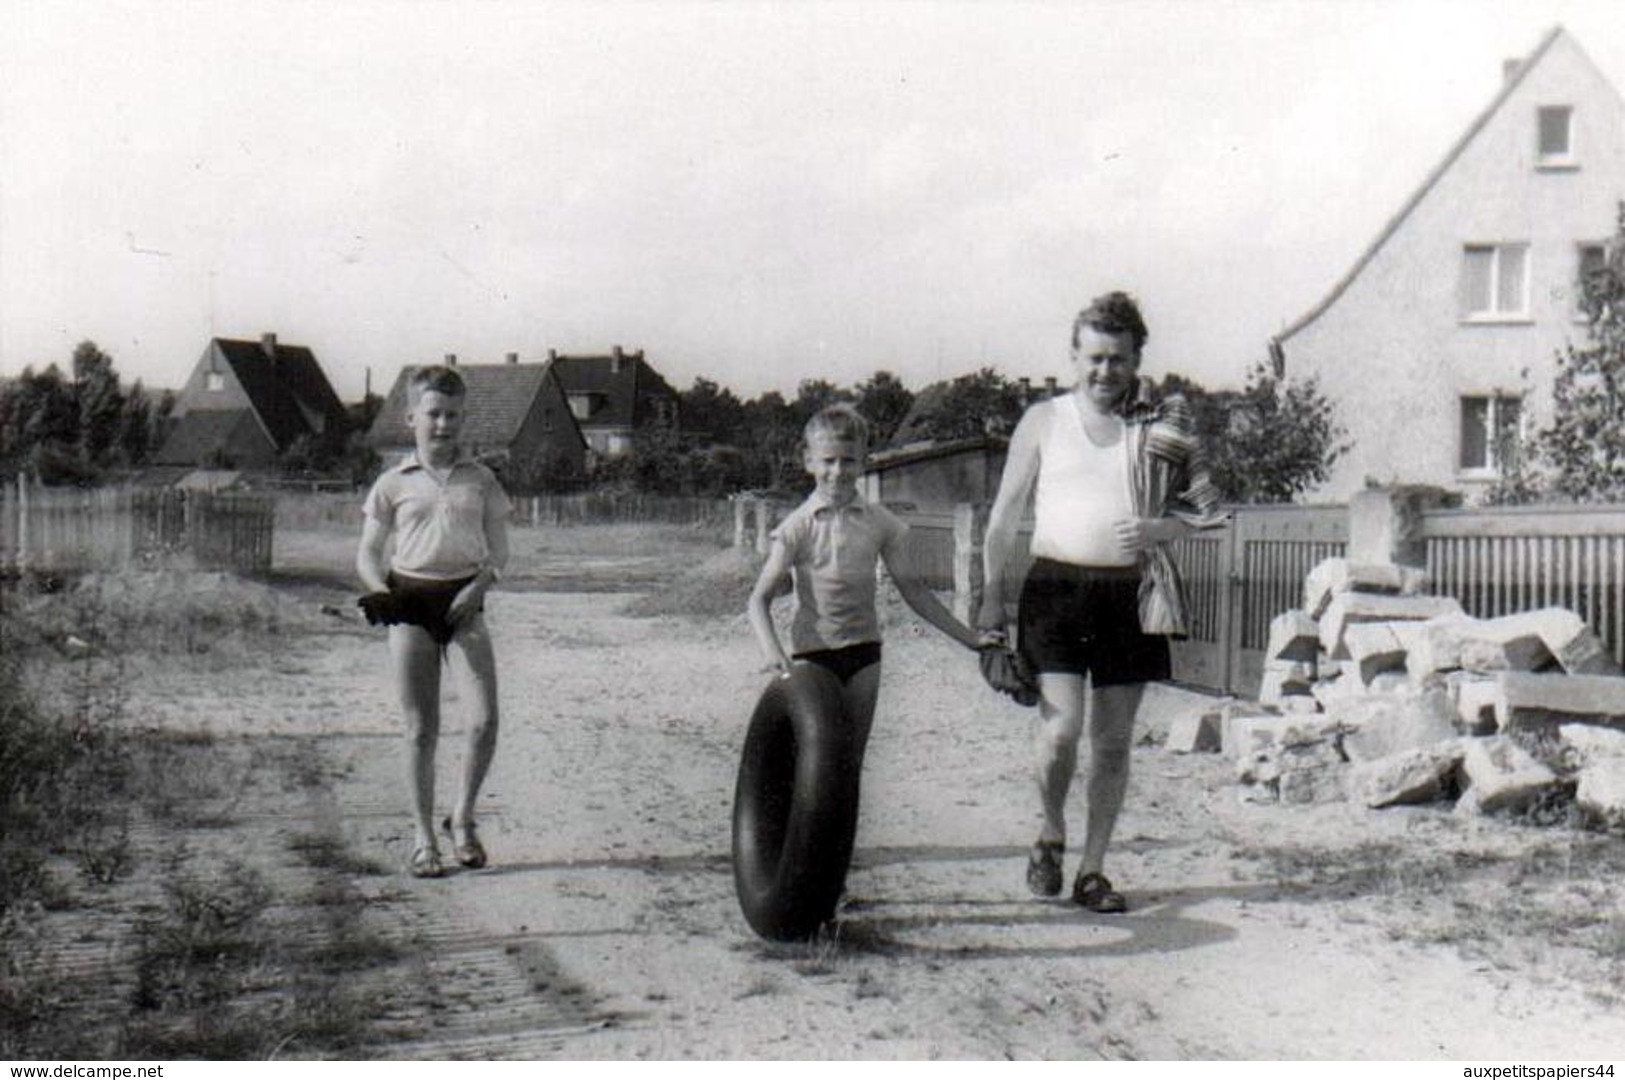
<point>437,377</point>
<point>841,422</point>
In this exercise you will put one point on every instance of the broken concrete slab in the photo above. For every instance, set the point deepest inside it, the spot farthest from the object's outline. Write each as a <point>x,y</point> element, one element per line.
<point>1426,774</point>
<point>1374,647</point>
<point>1588,742</point>
<point>1284,678</point>
<point>1294,635</point>
<point>1499,775</point>
<point>1311,773</point>
<point>1474,697</point>
<point>1378,726</point>
<point>1527,700</point>
<point>1246,735</point>
<point>1332,577</point>
<point>1349,609</point>
<point>1194,733</point>
<point>1601,792</point>
<point>1437,643</point>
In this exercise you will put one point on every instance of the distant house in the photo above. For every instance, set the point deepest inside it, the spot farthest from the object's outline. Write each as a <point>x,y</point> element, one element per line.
<point>246,402</point>
<point>1438,346</point>
<point>517,420</point>
<point>614,398</point>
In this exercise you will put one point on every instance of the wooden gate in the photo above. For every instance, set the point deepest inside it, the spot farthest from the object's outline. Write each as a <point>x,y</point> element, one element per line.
<point>1239,578</point>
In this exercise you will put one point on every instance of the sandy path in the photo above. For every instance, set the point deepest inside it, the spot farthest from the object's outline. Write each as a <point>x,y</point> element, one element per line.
<point>607,818</point>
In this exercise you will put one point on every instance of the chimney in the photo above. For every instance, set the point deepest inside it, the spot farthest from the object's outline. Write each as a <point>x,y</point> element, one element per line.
<point>513,358</point>
<point>552,355</point>
<point>451,359</point>
<point>1510,68</point>
<point>268,345</point>
<point>1049,386</point>
<point>616,357</point>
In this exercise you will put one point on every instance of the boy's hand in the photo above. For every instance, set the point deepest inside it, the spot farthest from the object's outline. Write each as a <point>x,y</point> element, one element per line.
<point>381,608</point>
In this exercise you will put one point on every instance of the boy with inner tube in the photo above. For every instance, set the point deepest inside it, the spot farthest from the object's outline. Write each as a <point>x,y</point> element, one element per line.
<point>447,515</point>
<point>829,547</point>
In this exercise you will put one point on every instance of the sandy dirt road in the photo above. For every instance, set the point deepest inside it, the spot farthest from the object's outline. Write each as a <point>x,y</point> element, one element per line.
<point>606,926</point>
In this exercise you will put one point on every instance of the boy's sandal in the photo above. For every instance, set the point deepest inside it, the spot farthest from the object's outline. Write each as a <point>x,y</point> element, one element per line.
<point>1095,893</point>
<point>426,863</point>
<point>465,845</point>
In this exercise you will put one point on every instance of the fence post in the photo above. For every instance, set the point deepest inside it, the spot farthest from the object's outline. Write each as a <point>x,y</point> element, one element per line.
<point>22,522</point>
<point>1385,524</point>
<point>970,528</point>
<point>739,522</point>
<point>764,522</point>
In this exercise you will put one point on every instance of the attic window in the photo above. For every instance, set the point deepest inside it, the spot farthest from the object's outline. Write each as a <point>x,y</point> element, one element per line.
<point>1555,135</point>
<point>214,380</point>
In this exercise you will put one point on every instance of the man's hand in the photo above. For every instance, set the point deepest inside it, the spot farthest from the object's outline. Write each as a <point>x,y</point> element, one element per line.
<point>1009,673</point>
<point>1139,534</point>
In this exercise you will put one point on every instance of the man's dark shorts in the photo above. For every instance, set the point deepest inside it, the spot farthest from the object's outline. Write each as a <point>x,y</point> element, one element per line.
<point>426,602</point>
<point>1079,620</point>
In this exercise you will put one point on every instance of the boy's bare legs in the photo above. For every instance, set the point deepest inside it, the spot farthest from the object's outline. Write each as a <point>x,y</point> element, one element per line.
<point>477,671</point>
<point>858,697</point>
<point>415,666</point>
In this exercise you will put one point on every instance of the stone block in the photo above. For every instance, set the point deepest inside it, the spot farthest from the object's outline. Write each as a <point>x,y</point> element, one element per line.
<point>1332,577</point>
<point>1437,643</point>
<point>1298,703</point>
<point>1311,773</point>
<point>1294,635</point>
<point>1374,647</point>
<point>1499,775</point>
<point>1423,775</point>
<point>1534,699</point>
<point>1377,726</point>
<point>1601,792</point>
<point>1577,650</point>
<point>1510,643</point>
<point>1246,735</point>
<point>1349,609</point>
<point>1194,733</point>
<point>1474,697</point>
<point>1284,678</point>
<point>1589,743</point>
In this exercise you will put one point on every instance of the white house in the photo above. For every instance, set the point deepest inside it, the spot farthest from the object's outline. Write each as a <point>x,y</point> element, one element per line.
<point>1440,344</point>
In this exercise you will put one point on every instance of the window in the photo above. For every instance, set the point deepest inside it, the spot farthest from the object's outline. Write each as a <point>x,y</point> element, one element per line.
<point>214,380</point>
<point>1490,428</point>
<point>1495,281</point>
<point>1554,126</point>
<point>1590,258</point>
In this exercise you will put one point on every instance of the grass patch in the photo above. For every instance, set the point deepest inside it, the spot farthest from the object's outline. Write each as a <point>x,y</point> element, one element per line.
<point>716,585</point>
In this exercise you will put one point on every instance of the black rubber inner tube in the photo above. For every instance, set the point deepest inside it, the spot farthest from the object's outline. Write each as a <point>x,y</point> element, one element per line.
<point>795,806</point>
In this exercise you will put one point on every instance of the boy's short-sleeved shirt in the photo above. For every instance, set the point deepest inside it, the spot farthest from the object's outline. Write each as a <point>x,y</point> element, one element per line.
<point>439,526</point>
<point>833,552</point>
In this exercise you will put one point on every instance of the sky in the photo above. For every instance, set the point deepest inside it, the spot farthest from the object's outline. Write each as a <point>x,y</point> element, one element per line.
<point>753,193</point>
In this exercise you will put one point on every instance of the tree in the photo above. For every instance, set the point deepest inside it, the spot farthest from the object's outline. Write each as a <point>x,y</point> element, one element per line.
<point>99,403</point>
<point>711,411</point>
<point>983,403</point>
<point>1269,442</point>
<point>884,401</point>
<point>1580,456</point>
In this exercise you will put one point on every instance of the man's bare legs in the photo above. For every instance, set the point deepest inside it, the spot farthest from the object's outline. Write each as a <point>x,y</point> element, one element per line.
<point>1066,708</point>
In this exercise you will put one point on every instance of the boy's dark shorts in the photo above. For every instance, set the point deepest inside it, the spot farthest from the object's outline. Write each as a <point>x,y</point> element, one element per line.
<point>844,662</point>
<point>425,602</point>
<point>1078,620</point>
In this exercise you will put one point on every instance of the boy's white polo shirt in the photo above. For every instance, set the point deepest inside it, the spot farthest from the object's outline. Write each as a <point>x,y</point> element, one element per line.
<point>439,526</point>
<point>834,551</point>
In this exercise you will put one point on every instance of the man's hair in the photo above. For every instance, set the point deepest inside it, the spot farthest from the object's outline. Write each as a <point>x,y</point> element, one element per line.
<point>1112,313</point>
<point>837,422</point>
<point>437,377</point>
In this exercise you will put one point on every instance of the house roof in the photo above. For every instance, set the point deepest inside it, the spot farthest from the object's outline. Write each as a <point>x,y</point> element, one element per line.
<point>1508,86</point>
<point>927,449</point>
<point>499,398</point>
<point>199,433</point>
<point>283,384</point>
<point>626,393</point>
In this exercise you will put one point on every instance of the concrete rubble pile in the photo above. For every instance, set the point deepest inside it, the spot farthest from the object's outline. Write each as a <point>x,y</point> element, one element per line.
<point>1376,691</point>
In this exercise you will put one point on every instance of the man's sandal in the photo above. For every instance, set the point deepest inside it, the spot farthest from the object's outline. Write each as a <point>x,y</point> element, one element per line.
<point>465,845</point>
<point>426,863</point>
<point>1044,868</point>
<point>1094,892</point>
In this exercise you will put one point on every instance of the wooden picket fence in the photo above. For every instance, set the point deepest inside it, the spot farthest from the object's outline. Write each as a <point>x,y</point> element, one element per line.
<point>70,529</point>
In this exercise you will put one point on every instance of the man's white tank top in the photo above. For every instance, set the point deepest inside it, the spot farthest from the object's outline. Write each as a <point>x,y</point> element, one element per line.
<point>1082,491</point>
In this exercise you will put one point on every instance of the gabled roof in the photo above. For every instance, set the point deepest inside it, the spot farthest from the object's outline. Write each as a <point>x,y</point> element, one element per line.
<point>625,393</point>
<point>927,449</point>
<point>1507,87</point>
<point>283,382</point>
<point>199,433</point>
<point>499,398</point>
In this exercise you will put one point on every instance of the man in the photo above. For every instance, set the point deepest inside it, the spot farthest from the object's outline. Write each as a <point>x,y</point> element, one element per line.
<point>1115,481</point>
